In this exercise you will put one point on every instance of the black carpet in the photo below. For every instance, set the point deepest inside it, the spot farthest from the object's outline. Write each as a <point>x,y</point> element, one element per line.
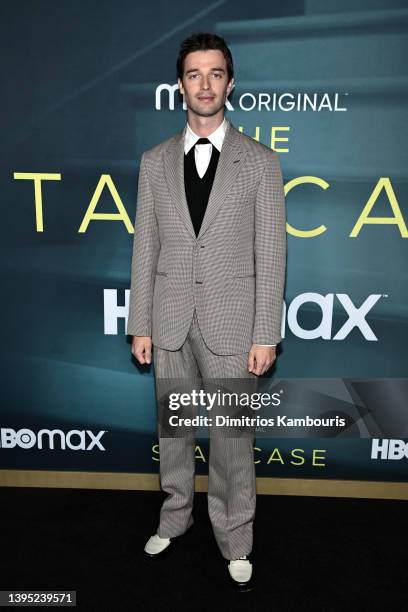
<point>309,553</point>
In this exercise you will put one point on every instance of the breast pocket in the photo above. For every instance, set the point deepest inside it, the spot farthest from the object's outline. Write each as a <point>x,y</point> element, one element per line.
<point>243,189</point>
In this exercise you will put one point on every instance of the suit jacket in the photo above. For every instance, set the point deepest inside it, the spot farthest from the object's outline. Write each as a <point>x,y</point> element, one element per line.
<point>233,272</point>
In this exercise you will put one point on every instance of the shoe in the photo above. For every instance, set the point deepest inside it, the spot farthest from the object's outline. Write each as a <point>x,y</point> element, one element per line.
<point>157,546</point>
<point>240,571</point>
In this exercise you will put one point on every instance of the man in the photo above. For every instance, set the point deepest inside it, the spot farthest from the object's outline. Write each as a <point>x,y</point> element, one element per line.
<point>207,282</point>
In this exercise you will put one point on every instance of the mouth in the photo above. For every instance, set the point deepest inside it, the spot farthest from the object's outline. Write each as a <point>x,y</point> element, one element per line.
<point>206,98</point>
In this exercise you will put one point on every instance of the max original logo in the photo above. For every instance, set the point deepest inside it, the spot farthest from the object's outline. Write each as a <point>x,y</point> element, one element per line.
<point>389,449</point>
<point>75,439</point>
<point>261,100</point>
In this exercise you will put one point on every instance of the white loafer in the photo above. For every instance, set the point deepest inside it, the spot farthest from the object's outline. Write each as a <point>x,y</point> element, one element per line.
<point>156,545</point>
<point>241,572</point>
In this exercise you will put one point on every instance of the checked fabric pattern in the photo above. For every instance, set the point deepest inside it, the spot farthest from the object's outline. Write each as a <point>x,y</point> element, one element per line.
<point>233,272</point>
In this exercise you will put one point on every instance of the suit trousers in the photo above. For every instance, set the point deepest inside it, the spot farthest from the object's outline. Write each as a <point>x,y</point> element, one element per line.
<point>231,468</point>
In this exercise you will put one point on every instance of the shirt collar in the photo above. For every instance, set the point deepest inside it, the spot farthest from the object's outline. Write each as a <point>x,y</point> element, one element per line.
<point>216,138</point>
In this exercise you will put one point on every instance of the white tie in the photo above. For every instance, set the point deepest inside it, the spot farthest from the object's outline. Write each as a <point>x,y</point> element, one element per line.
<point>202,155</point>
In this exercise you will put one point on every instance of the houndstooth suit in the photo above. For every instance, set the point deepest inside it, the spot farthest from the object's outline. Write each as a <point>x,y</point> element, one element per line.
<point>233,272</point>
<point>205,300</point>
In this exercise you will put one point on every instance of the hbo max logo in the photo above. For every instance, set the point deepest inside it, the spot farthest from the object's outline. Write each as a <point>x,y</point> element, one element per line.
<point>75,439</point>
<point>389,449</point>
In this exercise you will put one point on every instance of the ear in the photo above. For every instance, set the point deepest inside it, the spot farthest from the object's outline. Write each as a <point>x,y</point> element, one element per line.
<point>230,86</point>
<point>180,85</point>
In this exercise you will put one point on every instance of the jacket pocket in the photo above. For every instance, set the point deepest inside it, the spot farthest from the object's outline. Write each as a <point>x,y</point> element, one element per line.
<point>161,273</point>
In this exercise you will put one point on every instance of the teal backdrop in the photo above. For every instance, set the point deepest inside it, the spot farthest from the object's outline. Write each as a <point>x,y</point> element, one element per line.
<point>86,88</point>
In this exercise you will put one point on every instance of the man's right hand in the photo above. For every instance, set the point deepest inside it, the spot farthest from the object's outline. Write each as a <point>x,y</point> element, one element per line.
<point>142,348</point>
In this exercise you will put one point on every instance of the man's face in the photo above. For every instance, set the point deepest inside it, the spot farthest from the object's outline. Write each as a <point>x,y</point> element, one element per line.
<point>205,84</point>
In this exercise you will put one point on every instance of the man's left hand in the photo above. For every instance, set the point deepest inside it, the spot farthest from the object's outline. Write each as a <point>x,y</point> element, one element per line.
<point>261,358</point>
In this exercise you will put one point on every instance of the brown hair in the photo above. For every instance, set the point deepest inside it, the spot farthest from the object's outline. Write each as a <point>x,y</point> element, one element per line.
<point>202,41</point>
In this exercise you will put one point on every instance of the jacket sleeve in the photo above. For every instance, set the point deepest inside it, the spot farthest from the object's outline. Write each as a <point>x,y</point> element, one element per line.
<point>146,248</point>
<point>269,254</point>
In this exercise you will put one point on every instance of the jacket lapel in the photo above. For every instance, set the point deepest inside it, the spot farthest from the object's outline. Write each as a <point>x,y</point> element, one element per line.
<point>174,173</point>
<point>229,164</point>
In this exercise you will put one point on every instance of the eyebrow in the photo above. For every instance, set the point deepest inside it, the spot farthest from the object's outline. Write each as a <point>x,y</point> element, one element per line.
<point>197,69</point>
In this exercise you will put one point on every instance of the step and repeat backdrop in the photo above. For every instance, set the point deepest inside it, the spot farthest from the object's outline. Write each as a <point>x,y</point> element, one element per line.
<point>87,87</point>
